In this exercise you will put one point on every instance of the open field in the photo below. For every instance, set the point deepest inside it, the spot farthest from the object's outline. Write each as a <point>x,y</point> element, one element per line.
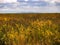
<point>29,29</point>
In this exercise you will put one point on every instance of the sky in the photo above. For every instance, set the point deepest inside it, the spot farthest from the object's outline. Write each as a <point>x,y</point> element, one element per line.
<point>37,6</point>
<point>3,1</point>
<point>32,2</point>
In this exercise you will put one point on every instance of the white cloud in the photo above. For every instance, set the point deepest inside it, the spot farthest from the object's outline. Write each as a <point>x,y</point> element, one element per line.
<point>7,1</point>
<point>26,0</point>
<point>53,1</point>
<point>11,1</point>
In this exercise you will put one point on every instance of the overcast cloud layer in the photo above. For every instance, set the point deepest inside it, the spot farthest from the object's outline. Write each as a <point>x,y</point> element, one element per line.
<point>29,6</point>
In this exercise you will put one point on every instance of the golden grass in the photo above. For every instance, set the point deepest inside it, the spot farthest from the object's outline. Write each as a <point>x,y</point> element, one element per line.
<point>29,29</point>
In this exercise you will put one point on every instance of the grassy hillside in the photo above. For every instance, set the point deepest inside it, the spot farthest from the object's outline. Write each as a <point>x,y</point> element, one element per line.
<point>29,29</point>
